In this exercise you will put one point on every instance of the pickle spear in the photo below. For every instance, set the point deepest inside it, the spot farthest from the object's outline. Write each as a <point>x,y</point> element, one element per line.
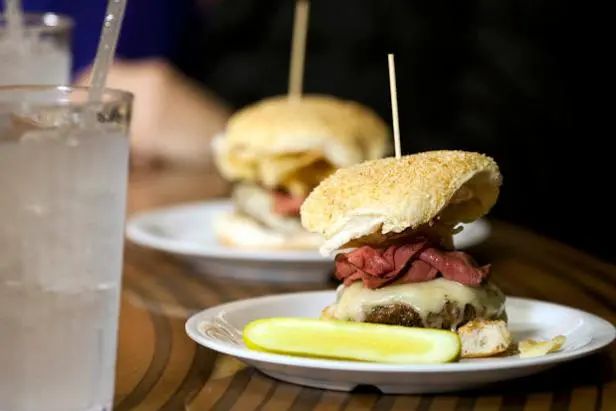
<point>356,341</point>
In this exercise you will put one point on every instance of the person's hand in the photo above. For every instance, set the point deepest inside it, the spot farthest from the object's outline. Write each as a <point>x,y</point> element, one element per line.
<point>174,119</point>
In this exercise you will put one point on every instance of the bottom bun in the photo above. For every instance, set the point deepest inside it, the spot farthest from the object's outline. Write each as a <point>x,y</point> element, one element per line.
<point>237,230</point>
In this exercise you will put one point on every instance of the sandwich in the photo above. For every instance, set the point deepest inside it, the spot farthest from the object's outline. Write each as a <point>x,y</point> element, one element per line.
<point>391,223</point>
<point>276,151</point>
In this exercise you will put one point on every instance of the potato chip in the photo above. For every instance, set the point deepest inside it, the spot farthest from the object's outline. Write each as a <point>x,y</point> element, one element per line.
<point>533,348</point>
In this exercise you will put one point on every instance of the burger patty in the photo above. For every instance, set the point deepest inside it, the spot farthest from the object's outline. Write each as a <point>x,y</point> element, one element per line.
<point>451,317</point>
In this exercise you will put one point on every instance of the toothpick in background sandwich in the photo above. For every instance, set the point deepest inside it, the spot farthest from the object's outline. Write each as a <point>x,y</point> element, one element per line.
<point>392,222</point>
<point>276,151</point>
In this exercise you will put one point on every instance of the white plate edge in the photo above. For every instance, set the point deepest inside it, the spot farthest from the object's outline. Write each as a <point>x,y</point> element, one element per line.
<point>139,236</point>
<point>596,344</point>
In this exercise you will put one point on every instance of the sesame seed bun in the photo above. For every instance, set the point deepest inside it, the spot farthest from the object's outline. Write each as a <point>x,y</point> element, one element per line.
<point>389,196</point>
<point>291,144</point>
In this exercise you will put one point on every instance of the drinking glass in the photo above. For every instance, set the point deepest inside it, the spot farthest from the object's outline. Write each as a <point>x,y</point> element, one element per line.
<point>41,56</point>
<point>63,174</point>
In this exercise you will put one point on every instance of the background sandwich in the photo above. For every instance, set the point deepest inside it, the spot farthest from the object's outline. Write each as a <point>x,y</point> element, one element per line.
<point>392,222</point>
<point>277,151</point>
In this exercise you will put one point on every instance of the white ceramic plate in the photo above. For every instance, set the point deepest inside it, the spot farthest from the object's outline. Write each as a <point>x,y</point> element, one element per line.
<point>188,230</point>
<point>219,328</point>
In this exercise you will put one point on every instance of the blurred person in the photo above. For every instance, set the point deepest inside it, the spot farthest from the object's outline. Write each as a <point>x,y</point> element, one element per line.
<point>173,118</point>
<point>151,29</point>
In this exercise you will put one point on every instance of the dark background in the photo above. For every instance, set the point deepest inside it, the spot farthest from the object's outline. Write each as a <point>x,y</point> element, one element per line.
<point>501,77</point>
<point>519,80</point>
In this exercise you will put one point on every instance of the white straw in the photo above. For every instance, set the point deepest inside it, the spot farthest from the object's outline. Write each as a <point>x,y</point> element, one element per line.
<point>298,50</point>
<point>106,47</point>
<point>14,20</point>
<point>394,104</point>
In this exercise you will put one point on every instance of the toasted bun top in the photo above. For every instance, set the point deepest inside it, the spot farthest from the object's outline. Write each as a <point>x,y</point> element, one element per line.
<point>389,196</point>
<point>279,142</point>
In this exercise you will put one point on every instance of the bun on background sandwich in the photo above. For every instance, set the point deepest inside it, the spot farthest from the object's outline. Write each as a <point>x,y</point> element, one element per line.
<point>392,222</point>
<point>277,150</point>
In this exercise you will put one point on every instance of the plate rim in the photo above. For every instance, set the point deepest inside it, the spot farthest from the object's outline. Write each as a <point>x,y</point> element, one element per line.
<point>596,343</point>
<point>137,234</point>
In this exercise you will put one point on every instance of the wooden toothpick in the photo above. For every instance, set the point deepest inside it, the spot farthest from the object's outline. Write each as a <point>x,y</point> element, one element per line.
<point>298,50</point>
<point>394,104</point>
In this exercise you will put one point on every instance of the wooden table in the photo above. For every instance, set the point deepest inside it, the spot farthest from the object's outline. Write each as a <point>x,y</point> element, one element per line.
<point>159,367</point>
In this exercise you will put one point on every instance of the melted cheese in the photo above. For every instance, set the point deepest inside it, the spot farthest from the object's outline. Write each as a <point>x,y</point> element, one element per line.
<point>355,301</point>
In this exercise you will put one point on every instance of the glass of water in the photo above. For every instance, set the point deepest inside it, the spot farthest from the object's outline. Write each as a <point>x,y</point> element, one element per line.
<point>40,55</point>
<point>63,174</point>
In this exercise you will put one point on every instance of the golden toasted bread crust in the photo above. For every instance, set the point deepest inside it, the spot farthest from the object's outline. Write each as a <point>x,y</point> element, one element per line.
<point>277,124</point>
<point>267,142</point>
<point>484,338</point>
<point>392,195</point>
